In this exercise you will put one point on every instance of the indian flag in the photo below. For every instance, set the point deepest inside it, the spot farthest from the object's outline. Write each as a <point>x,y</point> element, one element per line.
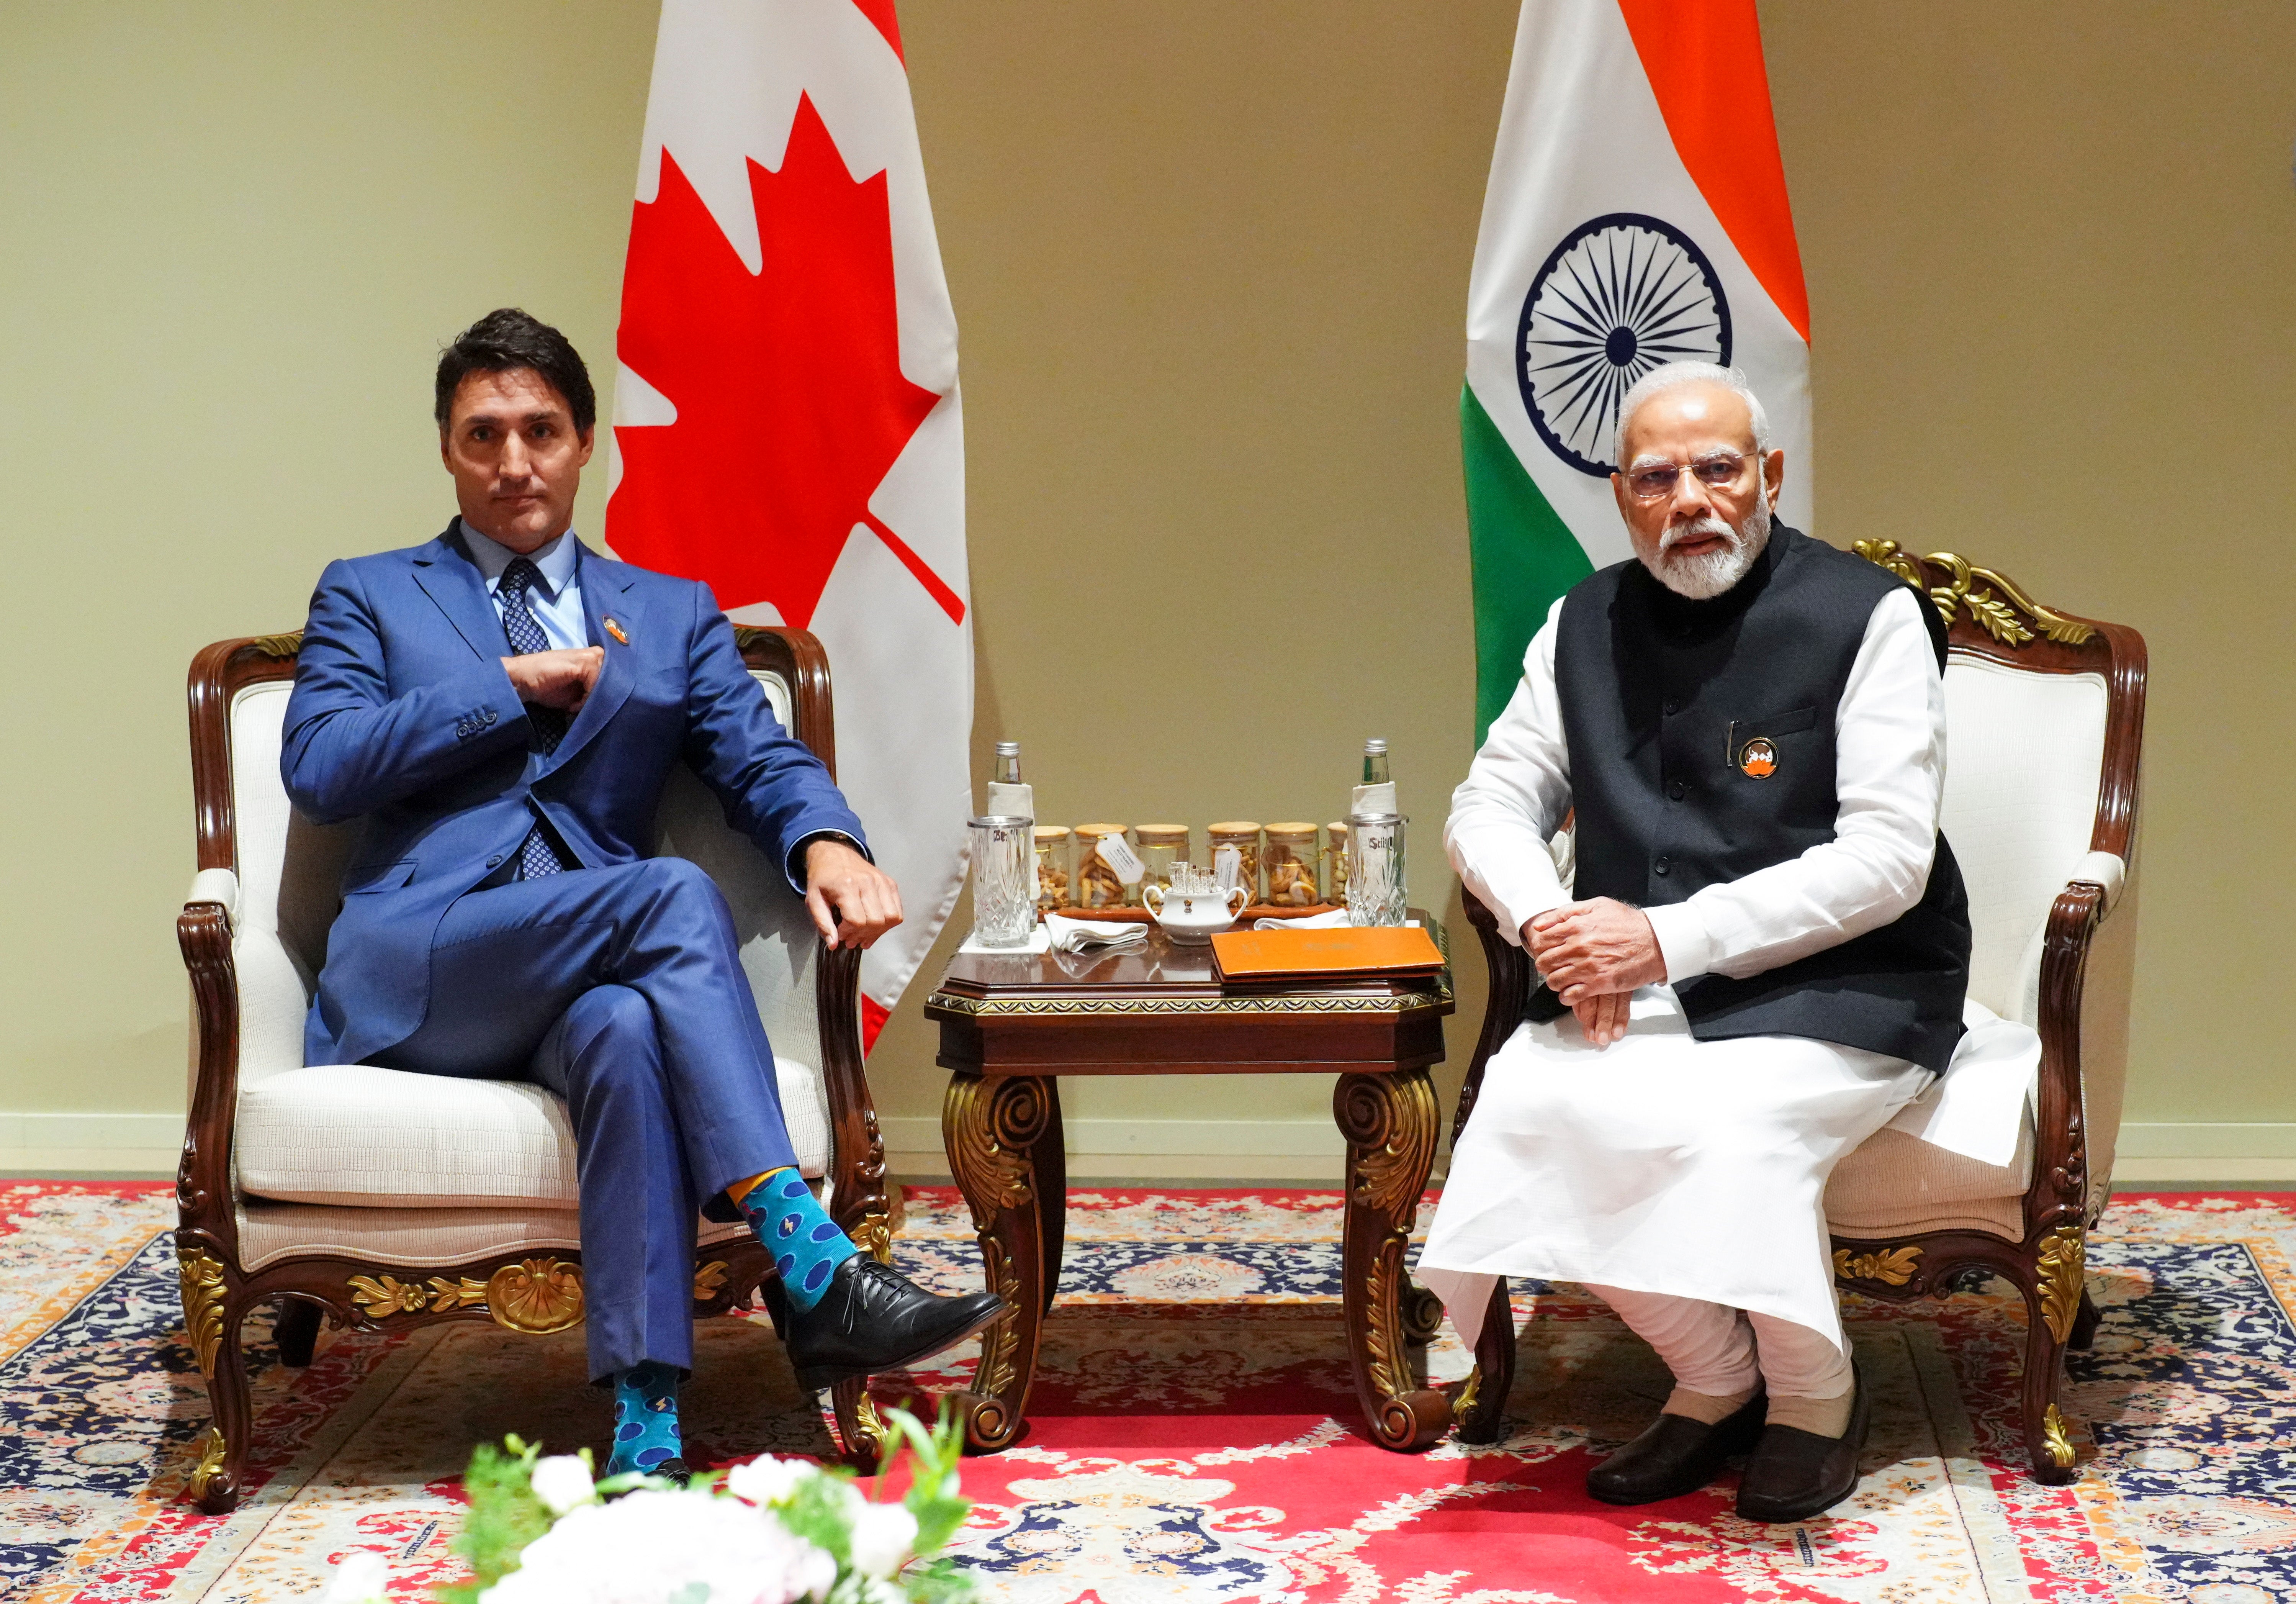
<point>1636,215</point>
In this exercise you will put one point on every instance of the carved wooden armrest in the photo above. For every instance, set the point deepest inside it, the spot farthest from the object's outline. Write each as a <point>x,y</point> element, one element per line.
<point>2060,1168</point>
<point>1510,970</point>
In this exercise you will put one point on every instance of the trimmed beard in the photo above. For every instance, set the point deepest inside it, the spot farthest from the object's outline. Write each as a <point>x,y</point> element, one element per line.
<point>1703,577</point>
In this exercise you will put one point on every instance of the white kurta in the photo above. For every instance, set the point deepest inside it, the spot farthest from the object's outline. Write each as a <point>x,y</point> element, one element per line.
<point>1664,1164</point>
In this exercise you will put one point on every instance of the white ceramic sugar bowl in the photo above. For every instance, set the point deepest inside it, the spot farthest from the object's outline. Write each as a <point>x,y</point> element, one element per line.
<point>1194,908</point>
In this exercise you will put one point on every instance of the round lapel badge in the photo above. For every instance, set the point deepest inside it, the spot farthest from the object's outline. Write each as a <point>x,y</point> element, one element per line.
<point>1757,759</point>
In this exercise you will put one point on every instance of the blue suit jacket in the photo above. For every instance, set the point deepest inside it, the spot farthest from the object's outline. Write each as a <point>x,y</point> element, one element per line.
<point>403,714</point>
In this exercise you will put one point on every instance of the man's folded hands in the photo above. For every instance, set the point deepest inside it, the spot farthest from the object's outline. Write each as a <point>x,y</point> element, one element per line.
<point>1593,956</point>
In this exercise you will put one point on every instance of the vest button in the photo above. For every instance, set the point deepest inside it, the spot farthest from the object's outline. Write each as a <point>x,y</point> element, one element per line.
<point>1677,790</point>
<point>1664,866</point>
<point>1674,704</point>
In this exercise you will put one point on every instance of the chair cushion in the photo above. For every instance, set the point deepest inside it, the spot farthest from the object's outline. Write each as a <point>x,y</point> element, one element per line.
<point>1896,1185</point>
<point>355,1135</point>
<point>415,1238</point>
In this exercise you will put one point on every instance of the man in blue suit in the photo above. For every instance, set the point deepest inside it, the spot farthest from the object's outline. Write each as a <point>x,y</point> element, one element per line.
<point>501,707</point>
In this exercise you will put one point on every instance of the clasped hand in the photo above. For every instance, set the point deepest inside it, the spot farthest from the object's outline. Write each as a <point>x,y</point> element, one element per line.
<point>563,678</point>
<point>1592,955</point>
<point>842,885</point>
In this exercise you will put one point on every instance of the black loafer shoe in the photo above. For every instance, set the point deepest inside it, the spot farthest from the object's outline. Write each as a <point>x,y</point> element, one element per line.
<point>1675,1455</point>
<point>1795,1474</point>
<point>671,1470</point>
<point>872,1320</point>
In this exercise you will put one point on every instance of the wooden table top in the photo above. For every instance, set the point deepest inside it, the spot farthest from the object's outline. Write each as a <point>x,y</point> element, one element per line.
<point>1159,976</point>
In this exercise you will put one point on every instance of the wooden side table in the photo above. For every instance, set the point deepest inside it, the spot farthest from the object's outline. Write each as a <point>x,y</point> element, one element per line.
<point>1011,1024</point>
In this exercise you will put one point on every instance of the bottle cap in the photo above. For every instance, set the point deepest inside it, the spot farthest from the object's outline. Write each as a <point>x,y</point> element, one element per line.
<point>1371,748</point>
<point>1235,827</point>
<point>1159,832</point>
<point>1100,829</point>
<point>1008,749</point>
<point>1291,829</point>
<point>1051,832</point>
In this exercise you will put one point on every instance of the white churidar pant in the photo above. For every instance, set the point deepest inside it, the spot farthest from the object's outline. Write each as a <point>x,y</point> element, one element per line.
<point>1659,1164</point>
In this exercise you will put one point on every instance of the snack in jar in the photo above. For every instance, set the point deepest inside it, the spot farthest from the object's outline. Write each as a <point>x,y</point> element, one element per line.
<point>1055,866</point>
<point>1335,837</point>
<point>1289,860</point>
<point>1161,845</point>
<point>1097,883</point>
<point>1244,837</point>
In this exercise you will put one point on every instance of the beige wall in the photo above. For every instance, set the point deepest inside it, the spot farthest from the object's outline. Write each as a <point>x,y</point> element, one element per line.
<point>1209,261</point>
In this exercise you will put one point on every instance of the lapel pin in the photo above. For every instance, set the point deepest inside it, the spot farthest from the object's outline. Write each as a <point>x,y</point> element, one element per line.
<point>1757,759</point>
<point>615,630</point>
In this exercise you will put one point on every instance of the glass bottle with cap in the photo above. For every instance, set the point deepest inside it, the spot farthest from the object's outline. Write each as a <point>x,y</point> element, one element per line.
<point>1289,860</point>
<point>1375,764</point>
<point>1055,866</point>
<point>1243,837</point>
<point>1161,845</point>
<point>1097,884</point>
<point>1008,763</point>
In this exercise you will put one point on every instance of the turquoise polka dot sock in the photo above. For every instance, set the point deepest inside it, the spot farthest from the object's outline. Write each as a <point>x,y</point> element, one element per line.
<point>806,1244</point>
<point>646,1418</point>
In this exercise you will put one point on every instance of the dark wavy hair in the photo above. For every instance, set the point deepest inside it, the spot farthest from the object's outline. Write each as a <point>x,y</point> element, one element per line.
<point>506,339</point>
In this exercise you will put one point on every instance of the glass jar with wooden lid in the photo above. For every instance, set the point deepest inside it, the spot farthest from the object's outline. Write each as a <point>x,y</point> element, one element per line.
<point>1055,866</point>
<point>1097,883</point>
<point>1243,837</point>
<point>1290,860</point>
<point>1336,859</point>
<point>1161,845</point>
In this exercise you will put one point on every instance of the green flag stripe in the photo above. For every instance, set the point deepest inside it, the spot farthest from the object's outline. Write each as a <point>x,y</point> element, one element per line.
<point>1524,557</point>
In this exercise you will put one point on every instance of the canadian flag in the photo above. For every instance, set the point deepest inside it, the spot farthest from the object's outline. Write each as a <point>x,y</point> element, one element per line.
<point>786,420</point>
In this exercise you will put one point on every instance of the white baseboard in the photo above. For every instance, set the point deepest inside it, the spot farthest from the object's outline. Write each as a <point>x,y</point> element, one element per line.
<point>109,1142</point>
<point>1177,1149</point>
<point>2193,1150</point>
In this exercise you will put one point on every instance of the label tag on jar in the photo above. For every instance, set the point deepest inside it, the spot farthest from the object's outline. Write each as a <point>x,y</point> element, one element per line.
<point>1228,867</point>
<point>1117,853</point>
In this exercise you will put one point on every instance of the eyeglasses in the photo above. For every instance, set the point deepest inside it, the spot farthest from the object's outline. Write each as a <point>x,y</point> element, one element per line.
<point>1716,470</point>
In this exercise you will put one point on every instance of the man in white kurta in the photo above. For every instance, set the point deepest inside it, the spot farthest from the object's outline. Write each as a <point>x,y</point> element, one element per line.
<point>1680,1176</point>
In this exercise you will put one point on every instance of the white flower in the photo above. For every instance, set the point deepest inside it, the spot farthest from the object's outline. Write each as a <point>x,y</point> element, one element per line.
<point>650,1547</point>
<point>766,1480</point>
<point>562,1481</point>
<point>881,1536</point>
<point>360,1577</point>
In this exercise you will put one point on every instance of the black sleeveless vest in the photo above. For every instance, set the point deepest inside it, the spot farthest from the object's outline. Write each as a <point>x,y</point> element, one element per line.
<point>1702,743</point>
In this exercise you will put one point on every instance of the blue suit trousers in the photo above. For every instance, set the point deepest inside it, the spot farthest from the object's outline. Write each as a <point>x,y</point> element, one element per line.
<point>621,990</point>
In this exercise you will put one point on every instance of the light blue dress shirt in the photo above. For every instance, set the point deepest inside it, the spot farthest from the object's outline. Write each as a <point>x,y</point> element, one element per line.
<point>556,603</point>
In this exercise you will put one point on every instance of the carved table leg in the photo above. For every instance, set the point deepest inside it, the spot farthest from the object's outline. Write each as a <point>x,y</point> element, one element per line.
<point>992,1129</point>
<point>1050,1158</point>
<point>1389,1122</point>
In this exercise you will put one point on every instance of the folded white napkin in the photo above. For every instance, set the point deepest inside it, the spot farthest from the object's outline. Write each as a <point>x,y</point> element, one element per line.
<point>1337,919</point>
<point>1078,935</point>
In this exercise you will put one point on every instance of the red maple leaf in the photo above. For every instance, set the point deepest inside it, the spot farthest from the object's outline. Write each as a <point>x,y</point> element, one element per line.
<point>790,400</point>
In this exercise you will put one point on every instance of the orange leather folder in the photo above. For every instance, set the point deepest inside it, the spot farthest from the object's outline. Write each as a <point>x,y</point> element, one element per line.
<point>1299,956</point>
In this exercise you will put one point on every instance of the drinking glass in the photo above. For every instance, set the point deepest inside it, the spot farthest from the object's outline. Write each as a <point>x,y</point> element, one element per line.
<point>1376,892</point>
<point>1003,880</point>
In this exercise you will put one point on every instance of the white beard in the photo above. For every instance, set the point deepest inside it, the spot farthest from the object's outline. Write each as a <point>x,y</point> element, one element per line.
<point>1708,574</point>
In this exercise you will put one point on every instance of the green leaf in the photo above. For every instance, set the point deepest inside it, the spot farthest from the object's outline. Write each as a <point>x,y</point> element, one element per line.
<point>504,1516</point>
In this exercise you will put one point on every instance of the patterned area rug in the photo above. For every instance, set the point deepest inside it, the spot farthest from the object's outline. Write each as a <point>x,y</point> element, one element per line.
<point>1195,1434</point>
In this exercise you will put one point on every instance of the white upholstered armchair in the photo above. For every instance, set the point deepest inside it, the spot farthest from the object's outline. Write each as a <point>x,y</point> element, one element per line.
<point>2044,728</point>
<point>375,1197</point>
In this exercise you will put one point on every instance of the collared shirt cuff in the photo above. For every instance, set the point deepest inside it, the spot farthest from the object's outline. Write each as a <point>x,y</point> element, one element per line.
<point>795,867</point>
<point>1684,941</point>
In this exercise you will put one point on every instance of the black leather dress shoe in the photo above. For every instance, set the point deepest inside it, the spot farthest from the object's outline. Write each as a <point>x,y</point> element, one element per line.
<point>873,1319</point>
<point>1795,1474</point>
<point>1675,1455</point>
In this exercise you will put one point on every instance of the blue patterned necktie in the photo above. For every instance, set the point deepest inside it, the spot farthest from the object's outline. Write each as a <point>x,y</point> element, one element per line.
<point>537,854</point>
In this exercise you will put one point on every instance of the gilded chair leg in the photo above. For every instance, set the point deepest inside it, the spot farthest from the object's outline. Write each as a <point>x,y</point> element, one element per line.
<point>1482,1404</point>
<point>220,1477</point>
<point>296,1330</point>
<point>2048,1321</point>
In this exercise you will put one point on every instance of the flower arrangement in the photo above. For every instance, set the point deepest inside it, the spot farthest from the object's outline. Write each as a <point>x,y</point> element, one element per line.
<point>772,1531</point>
